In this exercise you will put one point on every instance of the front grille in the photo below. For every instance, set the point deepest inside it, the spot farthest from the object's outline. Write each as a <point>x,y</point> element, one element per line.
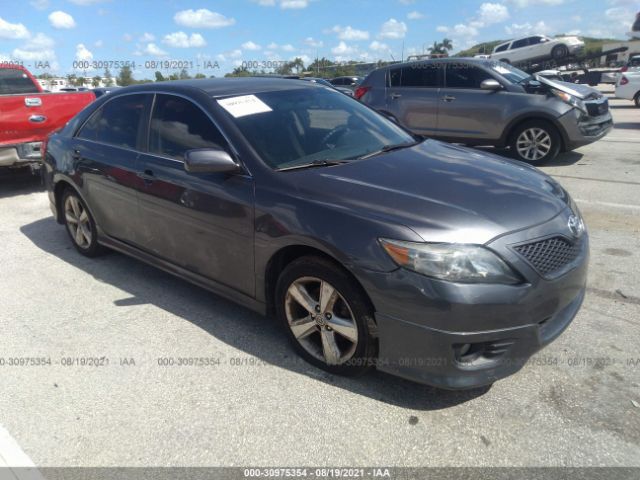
<point>549,256</point>
<point>597,109</point>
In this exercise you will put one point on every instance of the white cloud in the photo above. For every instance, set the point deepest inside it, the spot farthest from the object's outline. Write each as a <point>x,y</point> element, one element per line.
<point>38,48</point>
<point>284,4</point>
<point>415,15</point>
<point>529,3</point>
<point>62,20</point>
<point>342,49</point>
<point>350,33</point>
<point>98,44</point>
<point>287,48</point>
<point>147,37</point>
<point>39,4</point>
<point>150,49</point>
<point>272,46</point>
<point>233,54</point>
<point>12,31</point>
<point>313,43</point>
<point>377,46</point>
<point>490,13</point>
<point>251,46</point>
<point>294,4</point>
<point>82,53</point>
<point>202,18</point>
<point>392,28</point>
<point>523,29</point>
<point>182,40</point>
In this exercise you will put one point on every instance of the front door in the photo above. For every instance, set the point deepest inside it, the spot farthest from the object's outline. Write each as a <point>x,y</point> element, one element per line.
<point>200,221</point>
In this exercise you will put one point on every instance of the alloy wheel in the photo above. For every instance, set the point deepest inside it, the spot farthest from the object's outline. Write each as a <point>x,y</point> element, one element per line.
<point>78,222</point>
<point>533,144</point>
<point>321,320</point>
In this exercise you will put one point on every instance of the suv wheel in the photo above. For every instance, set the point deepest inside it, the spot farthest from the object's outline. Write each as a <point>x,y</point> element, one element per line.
<point>80,225</point>
<point>559,52</point>
<point>535,142</point>
<point>327,317</point>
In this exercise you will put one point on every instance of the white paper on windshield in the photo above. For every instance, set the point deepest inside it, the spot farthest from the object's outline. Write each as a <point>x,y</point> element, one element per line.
<point>244,105</point>
<point>501,69</point>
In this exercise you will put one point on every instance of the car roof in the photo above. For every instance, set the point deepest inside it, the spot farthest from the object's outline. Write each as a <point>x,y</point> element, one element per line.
<point>475,61</point>
<point>221,87</point>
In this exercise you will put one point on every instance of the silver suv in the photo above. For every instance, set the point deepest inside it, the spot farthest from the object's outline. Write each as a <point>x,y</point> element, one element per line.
<point>484,102</point>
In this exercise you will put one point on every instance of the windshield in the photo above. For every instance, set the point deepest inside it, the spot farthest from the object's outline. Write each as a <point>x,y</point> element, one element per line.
<point>511,73</point>
<point>301,126</point>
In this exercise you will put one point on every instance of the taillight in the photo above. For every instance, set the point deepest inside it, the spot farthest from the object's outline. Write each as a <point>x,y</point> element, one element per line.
<point>360,91</point>
<point>624,69</point>
<point>624,80</point>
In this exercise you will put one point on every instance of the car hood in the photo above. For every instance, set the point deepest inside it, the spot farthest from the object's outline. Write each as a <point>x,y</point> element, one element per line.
<point>580,91</point>
<point>443,192</point>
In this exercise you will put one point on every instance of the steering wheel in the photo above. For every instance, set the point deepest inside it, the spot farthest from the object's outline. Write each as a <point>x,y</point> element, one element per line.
<point>334,134</point>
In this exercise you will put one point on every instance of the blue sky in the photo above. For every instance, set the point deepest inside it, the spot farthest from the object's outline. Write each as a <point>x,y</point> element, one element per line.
<point>58,33</point>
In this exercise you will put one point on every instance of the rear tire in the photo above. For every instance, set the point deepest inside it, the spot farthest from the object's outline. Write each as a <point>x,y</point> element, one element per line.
<point>80,224</point>
<point>327,317</point>
<point>636,99</point>
<point>535,142</point>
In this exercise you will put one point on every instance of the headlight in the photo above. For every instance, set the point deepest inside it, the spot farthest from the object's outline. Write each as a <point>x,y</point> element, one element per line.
<point>570,99</point>
<point>451,262</point>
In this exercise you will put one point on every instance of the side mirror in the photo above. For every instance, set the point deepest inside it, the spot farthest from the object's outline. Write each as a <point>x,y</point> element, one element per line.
<point>209,160</point>
<point>490,84</point>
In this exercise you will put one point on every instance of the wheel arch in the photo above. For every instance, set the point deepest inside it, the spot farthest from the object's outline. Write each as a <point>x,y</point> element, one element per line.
<point>517,122</point>
<point>60,185</point>
<point>287,254</point>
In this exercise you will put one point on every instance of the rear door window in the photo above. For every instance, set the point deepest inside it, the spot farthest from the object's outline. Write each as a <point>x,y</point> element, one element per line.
<point>178,125</point>
<point>118,122</point>
<point>520,43</point>
<point>502,48</point>
<point>14,81</point>
<point>460,75</point>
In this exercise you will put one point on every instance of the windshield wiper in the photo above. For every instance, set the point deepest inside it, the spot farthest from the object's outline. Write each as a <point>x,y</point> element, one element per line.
<point>314,164</point>
<point>389,148</point>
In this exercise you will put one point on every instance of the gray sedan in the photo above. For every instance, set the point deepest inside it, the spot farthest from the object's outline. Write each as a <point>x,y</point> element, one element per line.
<point>373,248</point>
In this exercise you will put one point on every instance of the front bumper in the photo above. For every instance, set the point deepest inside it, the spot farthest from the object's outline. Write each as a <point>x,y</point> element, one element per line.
<point>458,336</point>
<point>580,129</point>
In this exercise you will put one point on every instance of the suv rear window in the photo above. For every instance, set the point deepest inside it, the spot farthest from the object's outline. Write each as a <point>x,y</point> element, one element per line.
<point>418,75</point>
<point>465,76</point>
<point>520,43</point>
<point>14,81</point>
<point>502,48</point>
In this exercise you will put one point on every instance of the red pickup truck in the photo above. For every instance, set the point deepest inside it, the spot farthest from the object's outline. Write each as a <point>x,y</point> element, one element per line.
<point>28,115</point>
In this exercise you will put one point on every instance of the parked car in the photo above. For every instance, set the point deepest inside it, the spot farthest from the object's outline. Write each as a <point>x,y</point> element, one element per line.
<point>433,262</point>
<point>348,82</point>
<point>484,102</point>
<point>28,115</point>
<point>537,48</point>
<point>326,83</point>
<point>628,87</point>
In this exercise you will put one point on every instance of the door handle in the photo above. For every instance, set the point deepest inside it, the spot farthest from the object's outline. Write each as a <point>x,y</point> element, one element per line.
<point>147,176</point>
<point>37,118</point>
<point>395,95</point>
<point>76,155</point>
<point>448,98</point>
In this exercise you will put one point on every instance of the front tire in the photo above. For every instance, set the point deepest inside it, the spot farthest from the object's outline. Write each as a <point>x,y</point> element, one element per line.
<point>535,142</point>
<point>327,317</point>
<point>80,225</point>
<point>559,52</point>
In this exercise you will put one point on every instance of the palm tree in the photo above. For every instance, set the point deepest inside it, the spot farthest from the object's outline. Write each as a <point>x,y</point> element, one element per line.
<point>435,48</point>
<point>446,44</point>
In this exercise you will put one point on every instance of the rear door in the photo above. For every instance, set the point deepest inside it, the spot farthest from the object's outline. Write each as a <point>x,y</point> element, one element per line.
<point>465,110</point>
<point>105,150</point>
<point>200,221</point>
<point>519,50</point>
<point>412,96</point>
